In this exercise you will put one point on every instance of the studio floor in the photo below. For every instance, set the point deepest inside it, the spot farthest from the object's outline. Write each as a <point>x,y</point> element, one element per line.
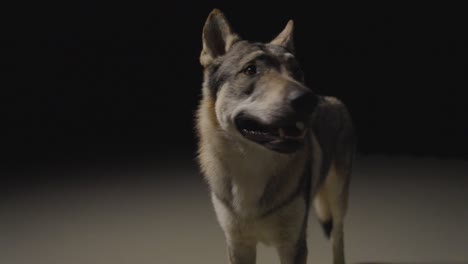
<point>402,210</point>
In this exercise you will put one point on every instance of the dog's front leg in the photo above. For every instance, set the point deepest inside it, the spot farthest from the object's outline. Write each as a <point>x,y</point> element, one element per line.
<point>241,252</point>
<point>293,253</point>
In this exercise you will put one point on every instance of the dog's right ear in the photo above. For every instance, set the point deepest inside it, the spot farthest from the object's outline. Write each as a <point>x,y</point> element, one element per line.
<point>285,38</point>
<point>217,36</point>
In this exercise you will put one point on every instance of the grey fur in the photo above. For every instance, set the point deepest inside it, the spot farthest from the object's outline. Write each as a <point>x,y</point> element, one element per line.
<point>264,158</point>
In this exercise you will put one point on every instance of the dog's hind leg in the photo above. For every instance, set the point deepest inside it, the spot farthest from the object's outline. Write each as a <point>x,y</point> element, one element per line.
<point>322,209</point>
<point>330,204</point>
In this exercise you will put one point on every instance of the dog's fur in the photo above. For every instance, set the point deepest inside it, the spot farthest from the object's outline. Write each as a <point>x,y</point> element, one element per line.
<point>262,184</point>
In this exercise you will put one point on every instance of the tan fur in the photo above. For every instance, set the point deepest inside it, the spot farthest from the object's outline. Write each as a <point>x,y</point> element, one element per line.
<point>259,194</point>
<point>322,206</point>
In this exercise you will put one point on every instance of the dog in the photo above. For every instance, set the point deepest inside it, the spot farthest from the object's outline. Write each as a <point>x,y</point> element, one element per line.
<point>269,146</point>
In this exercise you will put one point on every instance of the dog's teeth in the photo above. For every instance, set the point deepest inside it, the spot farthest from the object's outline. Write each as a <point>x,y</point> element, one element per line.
<point>300,125</point>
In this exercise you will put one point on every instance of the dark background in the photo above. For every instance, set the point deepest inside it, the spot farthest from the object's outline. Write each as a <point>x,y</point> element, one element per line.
<point>98,147</point>
<point>103,82</point>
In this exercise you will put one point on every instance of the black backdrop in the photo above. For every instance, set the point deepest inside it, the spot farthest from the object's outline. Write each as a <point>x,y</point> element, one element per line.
<point>98,81</point>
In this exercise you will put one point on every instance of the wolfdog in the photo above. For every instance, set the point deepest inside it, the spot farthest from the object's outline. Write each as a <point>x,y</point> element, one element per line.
<point>268,146</point>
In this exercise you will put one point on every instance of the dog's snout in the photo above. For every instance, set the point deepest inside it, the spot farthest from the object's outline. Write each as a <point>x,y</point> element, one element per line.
<point>303,101</point>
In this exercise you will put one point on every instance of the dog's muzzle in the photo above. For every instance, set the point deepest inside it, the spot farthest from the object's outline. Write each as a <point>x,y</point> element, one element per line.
<point>287,133</point>
<point>284,137</point>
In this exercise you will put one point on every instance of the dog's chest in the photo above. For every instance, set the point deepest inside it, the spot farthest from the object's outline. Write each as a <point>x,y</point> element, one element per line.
<point>249,178</point>
<point>259,180</point>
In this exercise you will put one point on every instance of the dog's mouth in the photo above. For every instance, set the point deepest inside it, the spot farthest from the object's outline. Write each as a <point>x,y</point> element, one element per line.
<point>284,137</point>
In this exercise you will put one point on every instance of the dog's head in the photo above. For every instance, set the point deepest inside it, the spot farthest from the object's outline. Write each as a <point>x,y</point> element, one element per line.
<point>258,88</point>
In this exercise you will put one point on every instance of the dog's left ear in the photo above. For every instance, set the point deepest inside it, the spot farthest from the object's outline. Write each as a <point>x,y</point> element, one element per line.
<point>218,37</point>
<point>285,38</point>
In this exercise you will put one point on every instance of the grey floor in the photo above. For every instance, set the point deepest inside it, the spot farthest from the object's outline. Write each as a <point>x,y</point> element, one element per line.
<point>402,210</point>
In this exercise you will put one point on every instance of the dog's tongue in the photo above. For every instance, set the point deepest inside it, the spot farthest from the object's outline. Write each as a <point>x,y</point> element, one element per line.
<point>294,131</point>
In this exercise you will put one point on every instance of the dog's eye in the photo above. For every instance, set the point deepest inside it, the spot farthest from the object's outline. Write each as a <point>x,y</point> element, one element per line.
<point>250,69</point>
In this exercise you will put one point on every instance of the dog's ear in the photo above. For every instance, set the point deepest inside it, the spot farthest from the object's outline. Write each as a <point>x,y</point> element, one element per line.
<point>217,37</point>
<point>285,38</point>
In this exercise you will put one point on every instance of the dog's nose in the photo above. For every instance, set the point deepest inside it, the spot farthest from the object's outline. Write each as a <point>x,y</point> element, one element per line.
<point>303,101</point>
